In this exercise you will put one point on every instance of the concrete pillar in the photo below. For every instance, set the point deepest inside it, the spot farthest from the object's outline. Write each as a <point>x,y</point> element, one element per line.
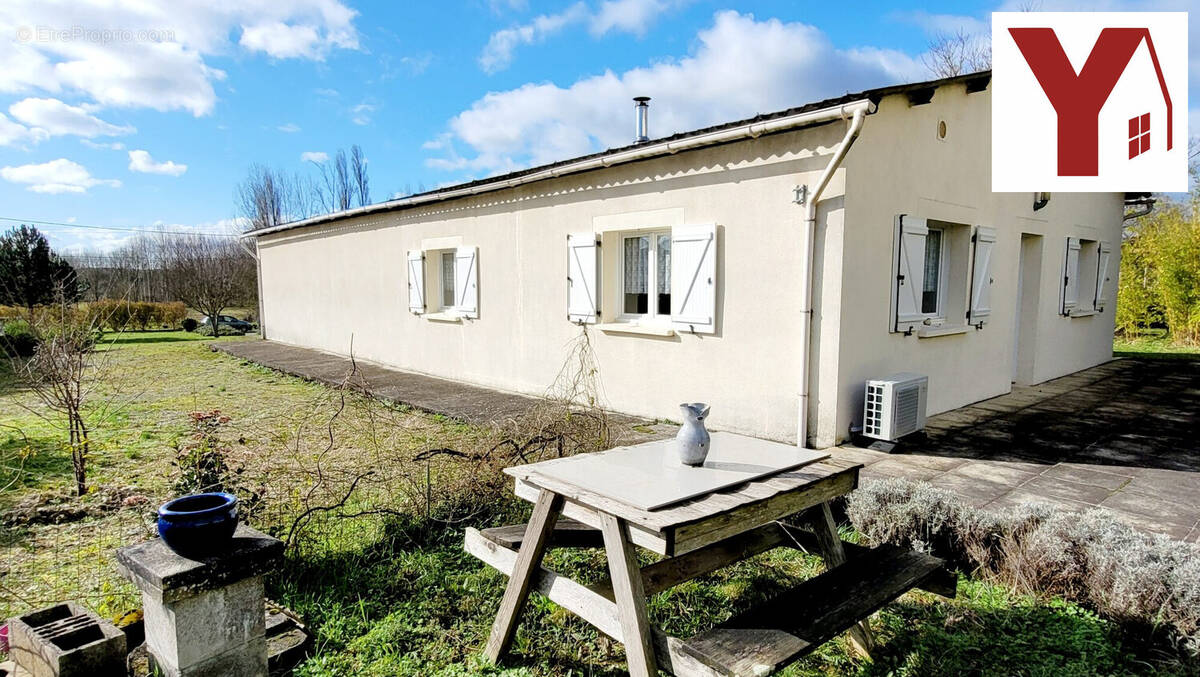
<point>204,617</point>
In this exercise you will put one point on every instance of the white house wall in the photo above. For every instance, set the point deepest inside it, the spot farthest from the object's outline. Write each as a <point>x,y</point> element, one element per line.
<point>323,285</point>
<point>899,166</point>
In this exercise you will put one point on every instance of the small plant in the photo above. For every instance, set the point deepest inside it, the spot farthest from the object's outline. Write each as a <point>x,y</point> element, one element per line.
<point>189,324</point>
<point>17,338</point>
<point>1147,582</point>
<point>204,462</point>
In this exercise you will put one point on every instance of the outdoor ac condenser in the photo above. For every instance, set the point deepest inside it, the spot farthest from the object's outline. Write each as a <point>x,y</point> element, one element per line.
<point>895,406</point>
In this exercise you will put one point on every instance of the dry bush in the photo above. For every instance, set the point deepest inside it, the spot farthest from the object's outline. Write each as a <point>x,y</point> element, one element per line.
<point>1148,582</point>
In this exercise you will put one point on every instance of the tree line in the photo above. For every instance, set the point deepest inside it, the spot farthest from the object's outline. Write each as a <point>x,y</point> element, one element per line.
<point>1159,288</point>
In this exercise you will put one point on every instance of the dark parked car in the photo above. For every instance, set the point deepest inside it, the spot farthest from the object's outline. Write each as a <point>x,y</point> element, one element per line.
<point>231,322</point>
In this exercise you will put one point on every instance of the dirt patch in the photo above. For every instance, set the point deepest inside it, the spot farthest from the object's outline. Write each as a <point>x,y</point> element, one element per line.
<point>58,508</point>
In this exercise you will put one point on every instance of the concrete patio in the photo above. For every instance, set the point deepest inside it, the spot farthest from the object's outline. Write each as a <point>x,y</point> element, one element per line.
<point>1124,436</point>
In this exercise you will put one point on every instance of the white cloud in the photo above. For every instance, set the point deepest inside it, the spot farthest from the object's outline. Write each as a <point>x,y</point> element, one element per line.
<point>629,16</point>
<point>140,161</point>
<point>289,128</point>
<point>157,58</point>
<point>939,24</point>
<point>327,93</point>
<point>740,67</point>
<point>15,134</point>
<point>498,53</point>
<point>314,156</point>
<point>56,176</point>
<point>361,114</point>
<point>60,119</point>
<point>115,145</point>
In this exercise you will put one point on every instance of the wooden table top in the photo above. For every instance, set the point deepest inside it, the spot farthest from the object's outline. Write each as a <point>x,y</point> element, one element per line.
<point>696,522</point>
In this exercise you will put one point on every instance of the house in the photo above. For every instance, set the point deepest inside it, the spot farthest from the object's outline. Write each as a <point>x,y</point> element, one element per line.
<point>768,266</point>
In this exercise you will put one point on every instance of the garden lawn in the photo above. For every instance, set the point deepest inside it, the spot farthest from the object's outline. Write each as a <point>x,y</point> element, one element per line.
<point>394,593</point>
<point>1154,344</point>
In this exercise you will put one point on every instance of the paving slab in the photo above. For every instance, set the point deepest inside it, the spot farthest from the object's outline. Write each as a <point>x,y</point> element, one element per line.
<point>427,393</point>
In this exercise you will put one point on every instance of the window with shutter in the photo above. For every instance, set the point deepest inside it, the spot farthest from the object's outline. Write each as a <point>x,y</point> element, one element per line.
<point>693,274</point>
<point>466,281</point>
<point>908,287</point>
<point>416,281</point>
<point>1070,276</point>
<point>583,294</point>
<point>1102,275</point>
<point>981,275</point>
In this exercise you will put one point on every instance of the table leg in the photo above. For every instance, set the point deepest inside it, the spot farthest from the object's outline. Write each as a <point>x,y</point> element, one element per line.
<point>629,595</point>
<point>820,520</point>
<point>529,558</point>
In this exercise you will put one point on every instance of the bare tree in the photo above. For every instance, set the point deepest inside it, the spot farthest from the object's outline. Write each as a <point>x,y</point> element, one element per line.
<point>358,169</point>
<point>260,198</point>
<point>207,273</point>
<point>61,374</point>
<point>951,54</point>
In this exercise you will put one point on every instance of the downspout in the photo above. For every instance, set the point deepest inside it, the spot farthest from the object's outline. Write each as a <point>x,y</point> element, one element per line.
<point>809,197</point>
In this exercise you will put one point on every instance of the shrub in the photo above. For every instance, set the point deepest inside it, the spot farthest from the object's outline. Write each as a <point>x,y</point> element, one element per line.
<point>190,324</point>
<point>1145,581</point>
<point>207,330</point>
<point>18,339</point>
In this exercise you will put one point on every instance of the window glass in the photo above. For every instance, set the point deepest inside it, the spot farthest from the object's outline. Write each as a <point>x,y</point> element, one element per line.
<point>663,271</point>
<point>447,279</point>
<point>933,271</point>
<point>637,275</point>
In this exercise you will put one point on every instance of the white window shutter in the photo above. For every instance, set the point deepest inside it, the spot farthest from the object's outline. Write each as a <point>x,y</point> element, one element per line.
<point>1070,279</point>
<point>910,271</point>
<point>466,281</point>
<point>981,275</point>
<point>416,281</point>
<point>1102,285</point>
<point>583,266</point>
<point>694,278</point>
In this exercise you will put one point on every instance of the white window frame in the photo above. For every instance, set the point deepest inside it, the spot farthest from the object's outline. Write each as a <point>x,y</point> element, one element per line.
<point>652,317</point>
<point>938,316</point>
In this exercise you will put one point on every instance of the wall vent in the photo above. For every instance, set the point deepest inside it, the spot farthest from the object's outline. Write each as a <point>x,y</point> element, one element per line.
<point>895,406</point>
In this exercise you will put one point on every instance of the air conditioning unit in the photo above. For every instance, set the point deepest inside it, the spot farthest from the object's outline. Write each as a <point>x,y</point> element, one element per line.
<point>895,406</point>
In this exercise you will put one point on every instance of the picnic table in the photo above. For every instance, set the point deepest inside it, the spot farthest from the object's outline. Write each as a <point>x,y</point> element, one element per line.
<point>696,536</point>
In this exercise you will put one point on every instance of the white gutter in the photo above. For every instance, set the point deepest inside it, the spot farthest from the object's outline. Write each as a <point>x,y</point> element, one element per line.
<point>642,152</point>
<point>859,111</point>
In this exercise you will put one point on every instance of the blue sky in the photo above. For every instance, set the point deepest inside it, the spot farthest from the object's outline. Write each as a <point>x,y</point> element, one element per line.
<point>154,122</point>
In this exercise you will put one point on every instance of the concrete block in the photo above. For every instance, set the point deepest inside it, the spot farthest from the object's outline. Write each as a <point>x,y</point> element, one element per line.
<point>66,640</point>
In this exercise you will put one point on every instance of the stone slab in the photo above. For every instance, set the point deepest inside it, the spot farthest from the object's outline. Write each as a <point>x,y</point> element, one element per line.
<point>166,576</point>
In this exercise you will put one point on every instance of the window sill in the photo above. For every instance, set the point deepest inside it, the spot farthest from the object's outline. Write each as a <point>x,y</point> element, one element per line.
<point>1083,313</point>
<point>444,317</point>
<point>631,328</point>
<point>930,332</point>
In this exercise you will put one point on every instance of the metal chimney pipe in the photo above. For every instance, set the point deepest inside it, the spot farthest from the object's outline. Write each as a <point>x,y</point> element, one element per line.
<point>642,106</point>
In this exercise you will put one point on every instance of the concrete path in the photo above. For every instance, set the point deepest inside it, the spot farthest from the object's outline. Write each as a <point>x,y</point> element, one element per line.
<point>427,393</point>
<point>1123,436</point>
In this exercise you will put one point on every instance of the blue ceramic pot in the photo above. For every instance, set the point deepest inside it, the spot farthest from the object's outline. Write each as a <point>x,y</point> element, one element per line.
<point>198,525</point>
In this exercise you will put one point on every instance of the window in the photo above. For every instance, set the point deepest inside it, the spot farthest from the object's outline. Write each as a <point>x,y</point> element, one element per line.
<point>934,278</point>
<point>1139,135</point>
<point>652,282</point>
<point>931,287</point>
<point>452,277</point>
<point>1085,277</point>
<point>646,275</point>
<point>447,278</point>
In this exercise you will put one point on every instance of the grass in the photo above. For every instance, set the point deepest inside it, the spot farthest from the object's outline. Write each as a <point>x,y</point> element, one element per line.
<point>396,594</point>
<point>1154,344</point>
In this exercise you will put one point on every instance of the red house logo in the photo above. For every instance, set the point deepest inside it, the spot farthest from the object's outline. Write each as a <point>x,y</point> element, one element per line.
<point>1109,124</point>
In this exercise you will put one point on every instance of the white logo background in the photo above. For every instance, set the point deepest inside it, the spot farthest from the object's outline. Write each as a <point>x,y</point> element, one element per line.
<point>1025,124</point>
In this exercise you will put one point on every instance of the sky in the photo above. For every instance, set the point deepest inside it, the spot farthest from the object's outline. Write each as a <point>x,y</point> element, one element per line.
<point>122,115</point>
